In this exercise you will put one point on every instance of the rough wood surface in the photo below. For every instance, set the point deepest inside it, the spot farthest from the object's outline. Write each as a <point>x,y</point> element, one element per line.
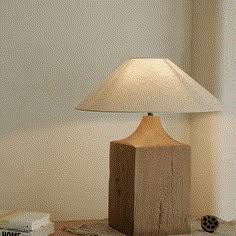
<point>121,187</point>
<point>149,185</point>
<point>162,190</point>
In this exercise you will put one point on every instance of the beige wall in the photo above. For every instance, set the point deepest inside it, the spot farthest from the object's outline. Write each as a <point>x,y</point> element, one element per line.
<point>213,136</point>
<point>54,158</point>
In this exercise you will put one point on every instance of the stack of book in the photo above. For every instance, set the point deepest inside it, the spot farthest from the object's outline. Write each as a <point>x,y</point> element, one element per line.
<point>21,223</point>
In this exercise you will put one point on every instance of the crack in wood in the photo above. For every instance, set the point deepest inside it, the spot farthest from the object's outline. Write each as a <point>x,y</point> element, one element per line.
<point>160,218</point>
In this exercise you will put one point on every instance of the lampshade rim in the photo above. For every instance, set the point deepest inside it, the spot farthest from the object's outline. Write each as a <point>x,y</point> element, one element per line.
<point>159,112</point>
<point>151,58</point>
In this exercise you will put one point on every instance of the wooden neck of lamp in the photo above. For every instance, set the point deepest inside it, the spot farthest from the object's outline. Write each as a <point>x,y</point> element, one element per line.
<point>149,133</point>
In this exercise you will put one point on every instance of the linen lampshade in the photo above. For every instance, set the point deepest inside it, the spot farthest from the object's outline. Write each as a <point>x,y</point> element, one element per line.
<point>150,85</point>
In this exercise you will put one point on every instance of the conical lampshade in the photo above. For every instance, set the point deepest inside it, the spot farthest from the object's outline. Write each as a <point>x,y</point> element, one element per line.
<point>150,85</point>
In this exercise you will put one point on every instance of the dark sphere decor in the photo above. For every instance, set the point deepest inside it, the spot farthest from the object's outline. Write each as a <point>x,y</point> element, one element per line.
<point>209,223</point>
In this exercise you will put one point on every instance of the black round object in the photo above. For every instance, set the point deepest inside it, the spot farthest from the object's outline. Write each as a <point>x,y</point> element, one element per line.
<point>209,223</point>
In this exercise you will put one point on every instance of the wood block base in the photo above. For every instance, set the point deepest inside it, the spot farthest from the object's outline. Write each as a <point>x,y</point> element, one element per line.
<point>149,185</point>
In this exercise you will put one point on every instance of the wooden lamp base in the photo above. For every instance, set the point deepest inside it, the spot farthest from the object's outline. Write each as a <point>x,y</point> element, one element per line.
<point>150,182</point>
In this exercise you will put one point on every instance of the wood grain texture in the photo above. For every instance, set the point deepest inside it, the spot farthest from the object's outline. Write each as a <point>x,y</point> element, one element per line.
<point>121,187</point>
<point>162,190</point>
<point>150,182</point>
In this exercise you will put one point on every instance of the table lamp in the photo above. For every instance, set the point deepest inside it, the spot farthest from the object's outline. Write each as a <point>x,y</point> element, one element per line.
<point>150,172</point>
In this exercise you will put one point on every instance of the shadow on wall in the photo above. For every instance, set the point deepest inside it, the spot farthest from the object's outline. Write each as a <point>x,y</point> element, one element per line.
<point>55,53</point>
<point>207,47</point>
<point>207,69</point>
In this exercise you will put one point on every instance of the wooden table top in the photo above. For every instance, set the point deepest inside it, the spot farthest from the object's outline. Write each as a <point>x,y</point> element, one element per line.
<point>225,228</point>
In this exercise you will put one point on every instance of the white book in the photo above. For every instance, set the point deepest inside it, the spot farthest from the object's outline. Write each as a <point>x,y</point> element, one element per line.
<point>42,231</point>
<point>23,221</point>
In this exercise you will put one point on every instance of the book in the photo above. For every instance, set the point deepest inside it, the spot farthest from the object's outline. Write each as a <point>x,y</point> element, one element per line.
<point>23,221</point>
<point>42,231</point>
